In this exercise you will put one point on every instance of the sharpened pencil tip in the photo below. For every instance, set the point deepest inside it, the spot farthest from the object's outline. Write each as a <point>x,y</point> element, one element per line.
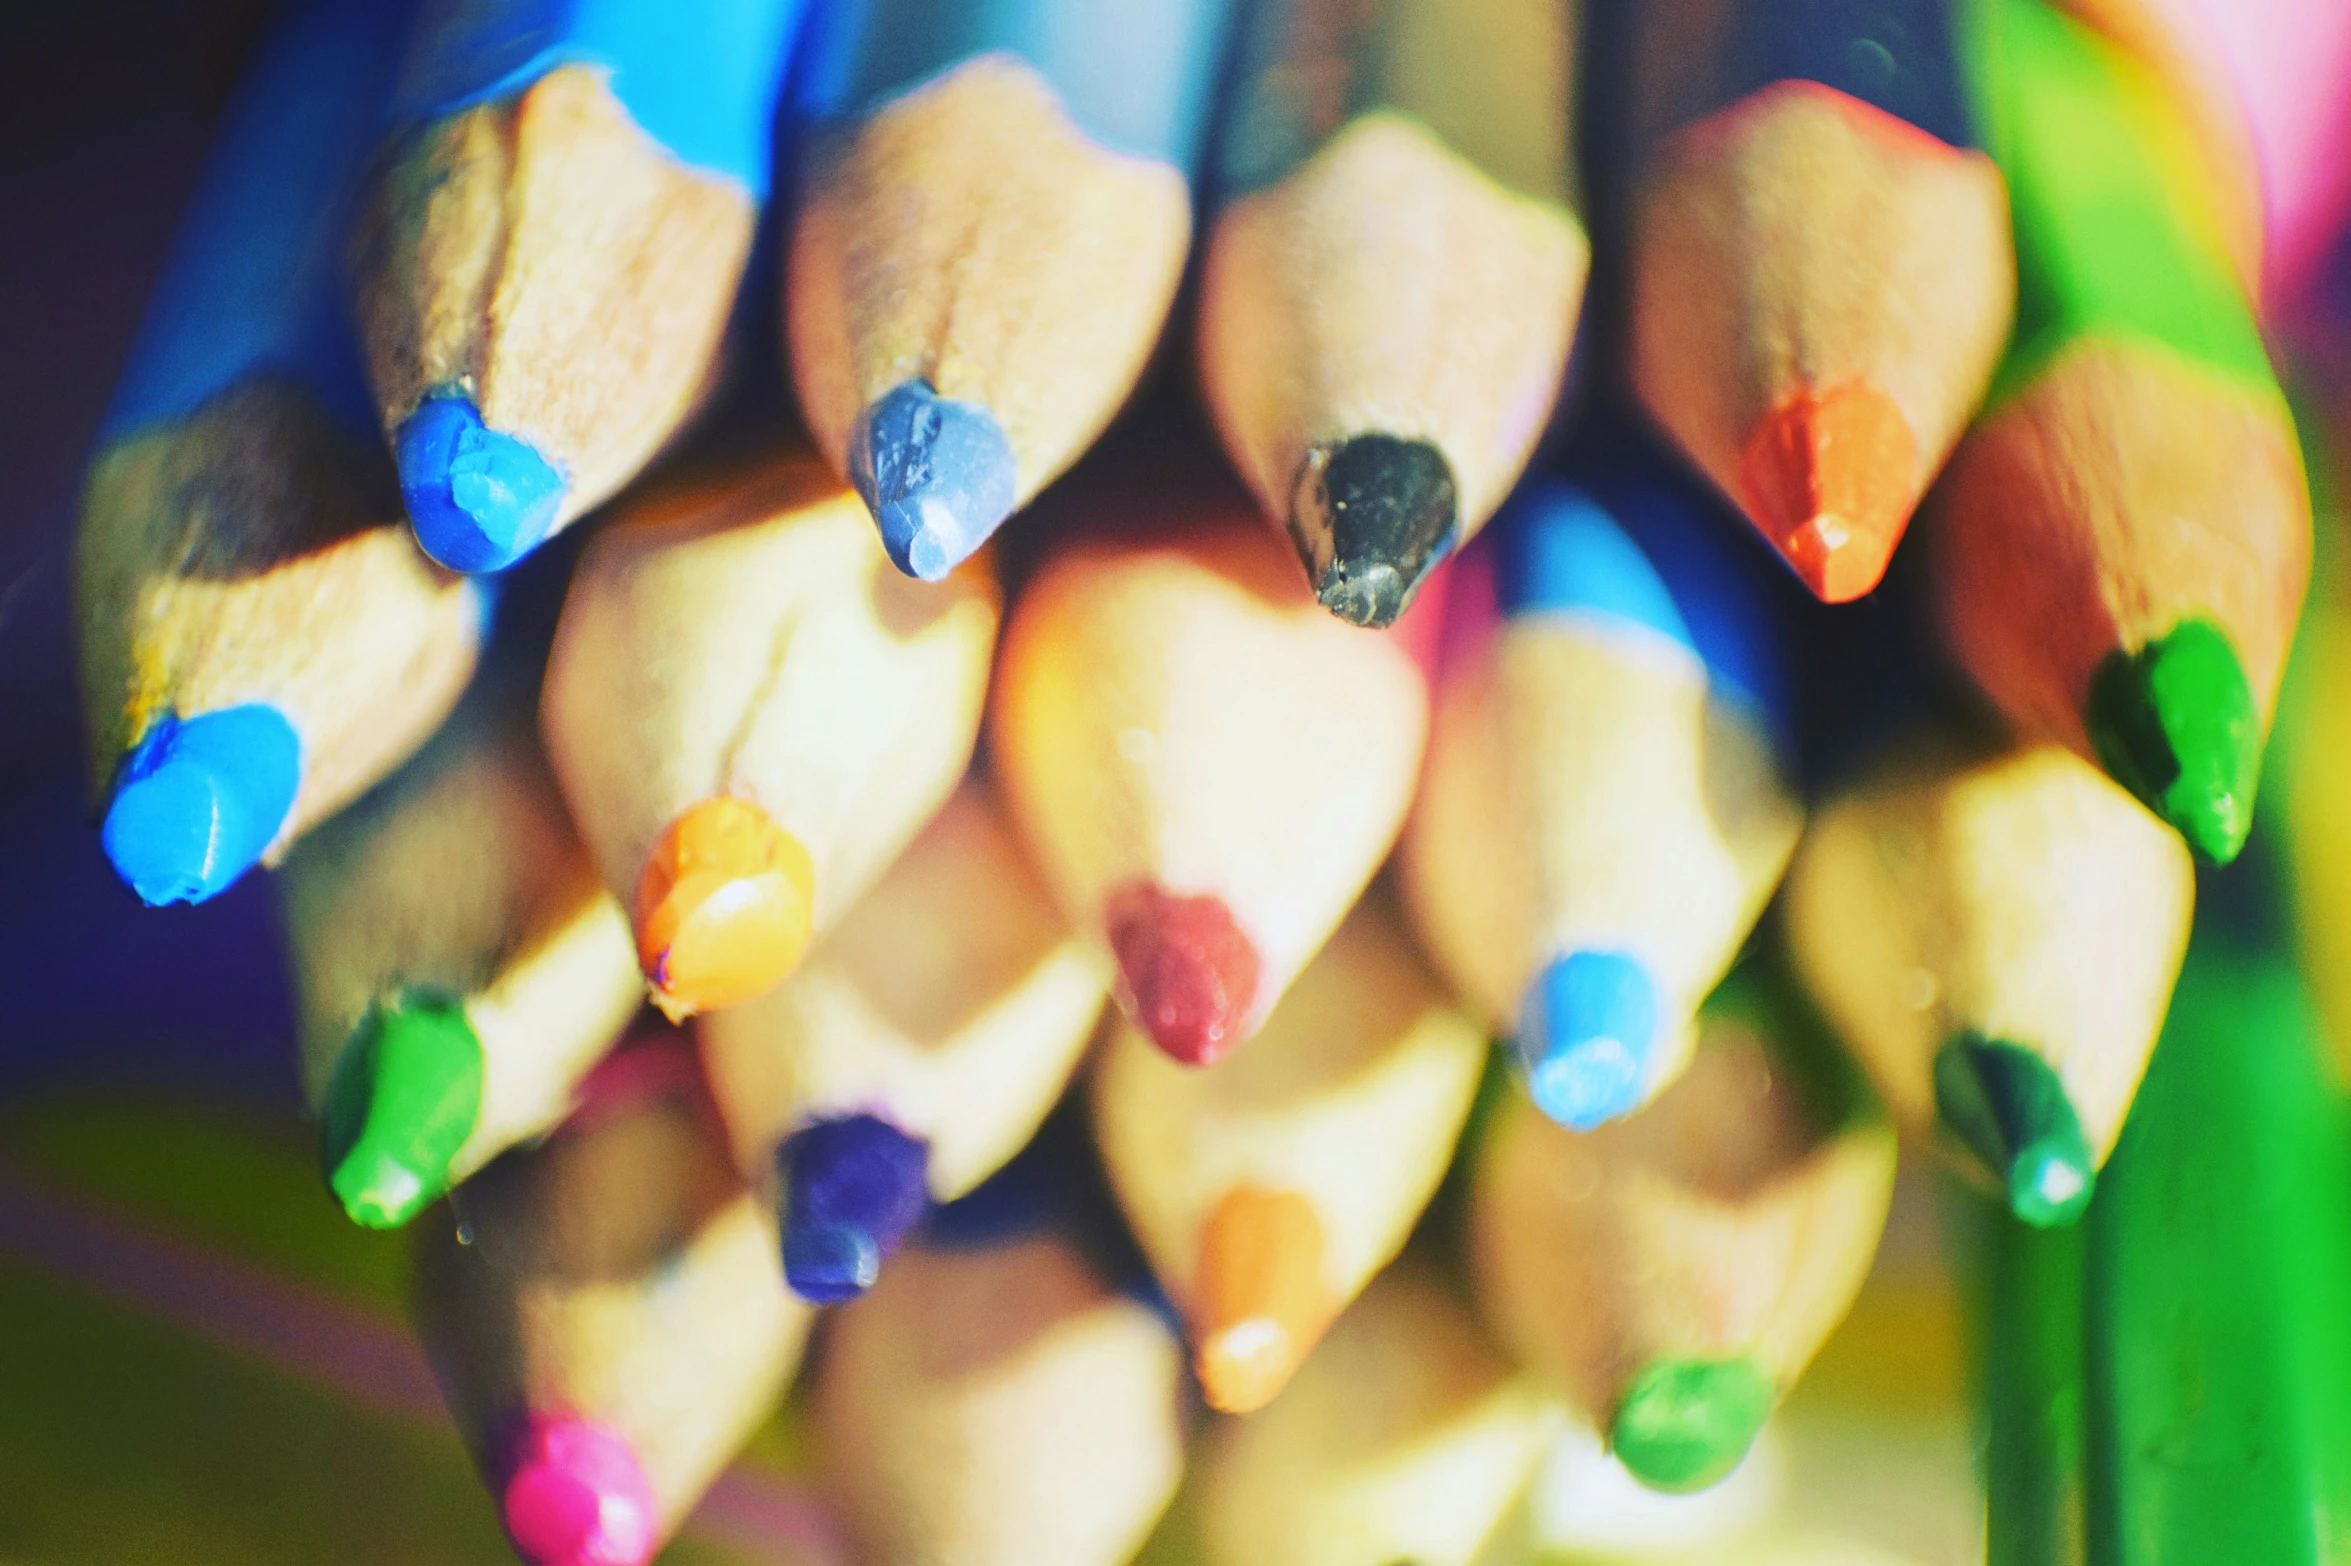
<point>2175,723</point>
<point>1186,972</point>
<point>1831,479</point>
<point>575,1495</point>
<point>1260,1296</point>
<point>479,500</point>
<point>937,474</point>
<point>1372,515</point>
<point>401,1104</point>
<point>198,801</point>
<point>853,1188</point>
<point>1587,1032</point>
<point>724,908</point>
<point>2008,1108</point>
<point>1686,1423</point>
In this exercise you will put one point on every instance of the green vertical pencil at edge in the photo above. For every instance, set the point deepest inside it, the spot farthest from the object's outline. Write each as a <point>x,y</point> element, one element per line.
<point>2033,1394</point>
<point>2113,234</point>
<point>2218,1349</point>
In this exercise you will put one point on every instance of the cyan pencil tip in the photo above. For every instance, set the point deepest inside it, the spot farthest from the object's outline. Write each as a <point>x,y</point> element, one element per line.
<point>937,473</point>
<point>479,500</point>
<point>1587,1032</point>
<point>853,1188</point>
<point>198,801</point>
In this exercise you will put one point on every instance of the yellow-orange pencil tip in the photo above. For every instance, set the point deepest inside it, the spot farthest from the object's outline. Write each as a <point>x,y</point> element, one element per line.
<point>1831,479</point>
<point>723,909</point>
<point>1261,1304</point>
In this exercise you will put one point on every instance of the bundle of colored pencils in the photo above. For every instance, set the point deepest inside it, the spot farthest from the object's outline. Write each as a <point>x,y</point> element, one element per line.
<point>1423,931</point>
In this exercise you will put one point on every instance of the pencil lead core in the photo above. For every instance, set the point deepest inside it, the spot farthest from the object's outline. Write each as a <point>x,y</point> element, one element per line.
<point>1587,1034</point>
<point>197,802</point>
<point>401,1104</point>
<point>2008,1108</point>
<point>853,1188</point>
<point>1260,1296</point>
<point>478,498</point>
<point>1831,479</point>
<point>936,472</point>
<point>1372,515</point>
<point>1686,1423</point>
<point>575,1495</point>
<point>1186,972</point>
<point>724,908</point>
<point>2175,723</point>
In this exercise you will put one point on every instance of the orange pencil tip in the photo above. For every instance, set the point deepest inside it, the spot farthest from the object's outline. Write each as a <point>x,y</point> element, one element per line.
<point>1260,1296</point>
<point>1830,478</point>
<point>724,908</point>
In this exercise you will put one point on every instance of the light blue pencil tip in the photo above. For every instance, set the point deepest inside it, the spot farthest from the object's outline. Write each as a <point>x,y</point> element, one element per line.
<point>479,500</point>
<point>196,802</point>
<point>1586,1034</point>
<point>937,475</point>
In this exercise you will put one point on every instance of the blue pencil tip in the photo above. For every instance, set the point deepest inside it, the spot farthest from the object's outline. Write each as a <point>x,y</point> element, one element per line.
<point>937,475</point>
<point>479,500</point>
<point>1586,1034</point>
<point>196,802</point>
<point>852,1190</point>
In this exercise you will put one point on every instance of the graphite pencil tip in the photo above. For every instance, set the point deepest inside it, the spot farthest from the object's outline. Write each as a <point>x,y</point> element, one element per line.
<point>402,1103</point>
<point>197,802</point>
<point>2010,1110</point>
<point>575,1495</point>
<point>937,474</point>
<point>2175,724</point>
<point>1587,1033</point>
<point>1186,972</point>
<point>1371,515</point>
<point>852,1190</point>
<point>1260,1290</point>
<point>479,500</point>
<point>1687,1422</point>
<point>1831,479</point>
<point>724,907</point>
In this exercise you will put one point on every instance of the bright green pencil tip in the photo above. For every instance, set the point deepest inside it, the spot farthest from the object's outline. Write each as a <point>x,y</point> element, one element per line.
<point>2012,1112</point>
<point>403,1101</point>
<point>2175,724</point>
<point>1687,1422</point>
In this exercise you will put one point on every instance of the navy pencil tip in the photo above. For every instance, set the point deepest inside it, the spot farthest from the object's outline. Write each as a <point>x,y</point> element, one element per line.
<point>198,802</point>
<point>853,1188</point>
<point>936,473</point>
<point>479,500</point>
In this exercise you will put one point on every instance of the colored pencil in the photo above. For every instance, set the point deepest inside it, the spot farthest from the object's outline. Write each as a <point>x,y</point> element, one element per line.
<point>1671,1275</point>
<point>916,1050</point>
<point>551,246</point>
<point>994,1401</point>
<point>1406,1437</point>
<point>260,641</point>
<point>1206,766</point>
<point>1390,290</point>
<point>1268,1191</point>
<point>995,212</point>
<point>605,1318</point>
<point>751,715</point>
<point>1996,937</point>
<point>1607,805</point>
<point>1821,273</point>
<point>459,964</point>
<point>2125,536</point>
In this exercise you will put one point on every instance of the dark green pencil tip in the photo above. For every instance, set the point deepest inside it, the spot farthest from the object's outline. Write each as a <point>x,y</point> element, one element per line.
<point>2175,724</point>
<point>1370,515</point>
<point>1687,1422</point>
<point>2010,1110</point>
<point>402,1102</point>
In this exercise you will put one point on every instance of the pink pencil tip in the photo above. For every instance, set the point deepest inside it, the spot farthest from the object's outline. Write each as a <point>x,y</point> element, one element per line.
<point>574,1496</point>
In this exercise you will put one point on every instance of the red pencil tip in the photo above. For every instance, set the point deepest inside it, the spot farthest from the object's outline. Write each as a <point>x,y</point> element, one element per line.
<point>1830,478</point>
<point>1187,974</point>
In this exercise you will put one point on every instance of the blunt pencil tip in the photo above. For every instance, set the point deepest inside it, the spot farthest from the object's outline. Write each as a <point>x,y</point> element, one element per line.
<point>575,1495</point>
<point>853,1188</point>
<point>1371,516</point>
<point>724,908</point>
<point>479,499</point>
<point>1587,1034</point>
<point>401,1104</point>
<point>1260,1296</point>
<point>1186,972</point>
<point>1686,1423</point>
<point>2175,723</point>
<point>197,802</point>
<point>936,473</point>
<point>2007,1106</point>
<point>1830,477</point>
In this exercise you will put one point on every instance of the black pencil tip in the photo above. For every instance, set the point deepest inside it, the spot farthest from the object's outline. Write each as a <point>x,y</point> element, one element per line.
<point>1371,515</point>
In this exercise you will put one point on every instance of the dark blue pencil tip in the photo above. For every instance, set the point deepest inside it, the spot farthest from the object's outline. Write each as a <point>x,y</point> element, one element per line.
<point>1586,1034</point>
<point>937,475</point>
<point>853,1188</point>
<point>479,500</point>
<point>196,802</point>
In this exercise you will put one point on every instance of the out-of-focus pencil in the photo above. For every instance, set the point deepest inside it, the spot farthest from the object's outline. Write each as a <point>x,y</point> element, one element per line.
<point>259,641</point>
